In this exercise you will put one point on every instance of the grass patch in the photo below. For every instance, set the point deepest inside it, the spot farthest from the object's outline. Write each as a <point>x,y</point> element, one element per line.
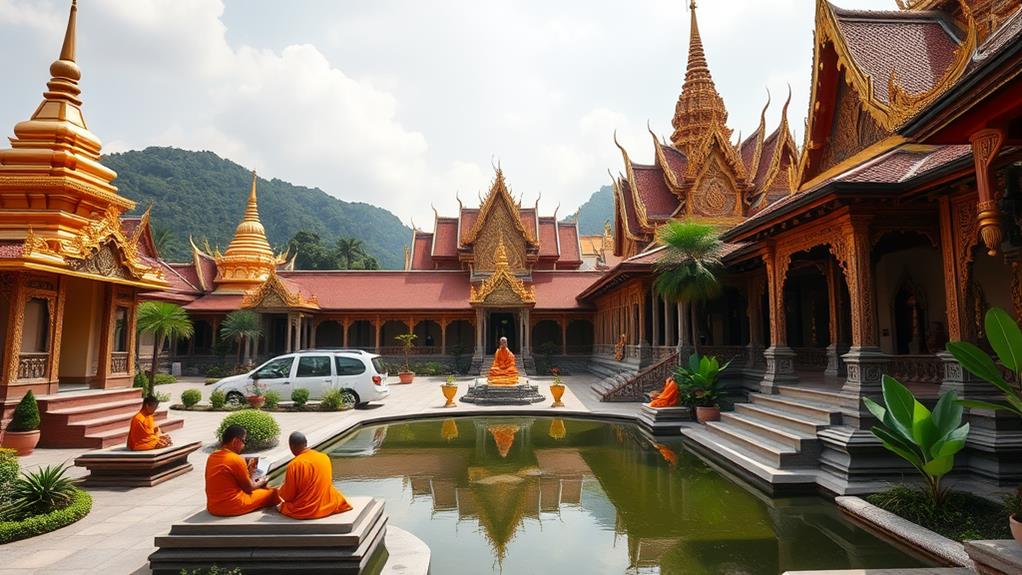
<point>39,524</point>
<point>962,517</point>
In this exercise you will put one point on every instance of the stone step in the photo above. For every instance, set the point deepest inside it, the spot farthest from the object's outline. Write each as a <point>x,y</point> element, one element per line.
<point>82,413</point>
<point>104,439</point>
<point>59,401</point>
<point>799,441</point>
<point>718,448</point>
<point>826,414</point>
<point>767,451</point>
<point>116,421</point>
<point>819,395</point>
<point>781,418</point>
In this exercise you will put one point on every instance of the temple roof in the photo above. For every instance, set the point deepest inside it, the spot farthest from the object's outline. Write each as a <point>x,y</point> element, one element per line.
<point>700,107</point>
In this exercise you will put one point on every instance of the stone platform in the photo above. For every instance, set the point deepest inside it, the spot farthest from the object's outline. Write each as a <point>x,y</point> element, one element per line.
<point>664,420</point>
<point>520,394</point>
<point>122,467</point>
<point>268,542</point>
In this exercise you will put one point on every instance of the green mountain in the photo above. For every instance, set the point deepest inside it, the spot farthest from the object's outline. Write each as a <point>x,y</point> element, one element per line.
<point>599,208</point>
<point>202,195</point>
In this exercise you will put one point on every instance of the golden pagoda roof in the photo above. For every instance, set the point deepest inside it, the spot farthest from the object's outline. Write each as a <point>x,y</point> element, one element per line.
<point>699,107</point>
<point>248,260</point>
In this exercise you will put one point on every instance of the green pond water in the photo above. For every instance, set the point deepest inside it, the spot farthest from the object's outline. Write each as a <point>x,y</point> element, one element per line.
<point>535,495</point>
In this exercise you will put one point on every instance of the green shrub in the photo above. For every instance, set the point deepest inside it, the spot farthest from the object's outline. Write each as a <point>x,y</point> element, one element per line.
<point>216,371</point>
<point>26,415</point>
<point>142,379</point>
<point>165,379</point>
<point>213,570</point>
<point>271,399</point>
<point>336,400</point>
<point>8,474</point>
<point>190,397</point>
<point>300,396</point>
<point>211,380</point>
<point>81,504</point>
<point>40,491</point>
<point>162,396</point>
<point>217,399</point>
<point>962,516</point>
<point>263,431</point>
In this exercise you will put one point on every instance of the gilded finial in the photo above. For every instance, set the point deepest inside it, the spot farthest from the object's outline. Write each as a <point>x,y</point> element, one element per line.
<point>699,106</point>
<point>692,5</point>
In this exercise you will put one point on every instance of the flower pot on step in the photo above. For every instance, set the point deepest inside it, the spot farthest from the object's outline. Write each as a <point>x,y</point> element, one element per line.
<point>406,376</point>
<point>256,401</point>
<point>1016,529</point>
<point>21,441</point>
<point>704,414</point>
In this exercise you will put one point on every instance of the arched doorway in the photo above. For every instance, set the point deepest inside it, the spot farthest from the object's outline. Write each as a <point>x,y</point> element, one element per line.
<point>546,338</point>
<point>427,338</point>
<point>362,335</point>
<point>502,324</point>
<point>460,337</point>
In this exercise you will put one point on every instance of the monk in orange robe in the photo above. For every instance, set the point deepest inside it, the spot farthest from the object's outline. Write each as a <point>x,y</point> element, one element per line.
<point>503,371</point>
<point>230,489</point>
<point>143,433</point>
<point>666,397</point>
<point>308,491</point>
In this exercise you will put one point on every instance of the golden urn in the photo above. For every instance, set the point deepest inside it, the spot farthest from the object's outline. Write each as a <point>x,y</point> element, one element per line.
<point>449,389</point>
<point>557,390</point>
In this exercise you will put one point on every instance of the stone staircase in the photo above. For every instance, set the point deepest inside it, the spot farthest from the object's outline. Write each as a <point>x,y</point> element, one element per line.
<point>614,377</point>
<point>774,437</point>
<point>93,419</point>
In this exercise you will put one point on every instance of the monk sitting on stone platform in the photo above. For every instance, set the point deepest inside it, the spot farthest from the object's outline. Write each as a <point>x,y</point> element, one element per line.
<point>503,371</point>
<point>666,397</point>
<point>308,491</point>
<point>143,433</point>
<point>230,489</point>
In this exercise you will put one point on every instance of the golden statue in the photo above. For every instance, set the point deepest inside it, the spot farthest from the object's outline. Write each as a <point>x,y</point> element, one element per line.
<point>503,371</point>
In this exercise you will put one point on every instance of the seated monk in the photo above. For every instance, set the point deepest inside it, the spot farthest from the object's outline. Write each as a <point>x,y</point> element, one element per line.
<point>308,491</point>
<point>143,433</point>
<point>230,489</point>
<point>666,397</point>
<point>503,371</point>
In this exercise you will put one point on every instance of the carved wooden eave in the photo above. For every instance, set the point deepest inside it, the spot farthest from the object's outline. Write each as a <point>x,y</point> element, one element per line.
<point>502,287</point>
<point>99,249</point>
<point>669,177</point>
<point>717,138</point>
<point>760,136</point>
<point>499,194</point>
<point>275,294</point>
<point>640,207</point>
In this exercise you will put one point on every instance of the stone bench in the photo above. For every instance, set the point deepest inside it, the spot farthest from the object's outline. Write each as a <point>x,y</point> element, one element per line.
<point>267,542</point>
<point>996,556</point>
<point>664,420</point>
<point>122,467</point>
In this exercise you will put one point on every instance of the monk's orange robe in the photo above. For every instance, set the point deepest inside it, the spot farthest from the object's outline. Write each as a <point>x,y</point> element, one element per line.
<point>668,397</point>
<point>143,434</point>
<point>226,472</point>
<point>308,491</point>
<point>503,371</point>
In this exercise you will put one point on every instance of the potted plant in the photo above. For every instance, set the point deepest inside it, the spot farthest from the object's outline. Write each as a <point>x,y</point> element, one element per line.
<point>556,388</point>
<point>255,394</point>
<point>1014,506</point>
<point>698,385</point>
<point>407,341</point>
<point>22,433</point>
<point>449,389</point>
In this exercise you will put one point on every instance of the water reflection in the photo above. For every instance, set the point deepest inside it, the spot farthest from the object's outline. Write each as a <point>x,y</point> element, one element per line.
<point>539,495</point>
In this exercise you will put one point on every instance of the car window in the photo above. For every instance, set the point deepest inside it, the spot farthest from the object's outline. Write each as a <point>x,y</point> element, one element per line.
<point>349,365</point>
<point>276,368</point>
<point>313,366</point>
<point>378,365</point>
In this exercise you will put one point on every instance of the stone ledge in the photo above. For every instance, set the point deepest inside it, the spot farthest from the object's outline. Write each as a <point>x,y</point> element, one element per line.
<point>996,557</point>
<point>935,545</point>
<point>122,467</point>
<point>664,420</point>
<point>407,554</point>
<point>518,394</point>
<point>915,571</point>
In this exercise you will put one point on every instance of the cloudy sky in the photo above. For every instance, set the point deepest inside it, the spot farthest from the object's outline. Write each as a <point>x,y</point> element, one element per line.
<point>406,103</point>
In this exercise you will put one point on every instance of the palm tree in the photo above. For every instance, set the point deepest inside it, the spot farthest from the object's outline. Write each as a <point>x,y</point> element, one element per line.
<point>165,321</point>
<point>241,326</point>
<point>348,250</point>
<point>687,270</point>
<point>164,240</point>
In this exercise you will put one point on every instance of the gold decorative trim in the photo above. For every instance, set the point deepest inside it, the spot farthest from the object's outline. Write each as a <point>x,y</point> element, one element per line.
<point>499,191</point>
<point>502,277</point>
<point>275,289</point>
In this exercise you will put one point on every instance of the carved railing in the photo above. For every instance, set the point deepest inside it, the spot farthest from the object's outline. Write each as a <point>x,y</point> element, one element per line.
<point>810,358</point>
<point>119,362</point>
<point>917,369</point>
<point>633,352</point>
<point>647,380</point>
<point>33,365</point>
<point>738,355</point>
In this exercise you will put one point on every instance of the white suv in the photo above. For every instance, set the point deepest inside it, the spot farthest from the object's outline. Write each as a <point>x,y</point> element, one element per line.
<point>356,371</point>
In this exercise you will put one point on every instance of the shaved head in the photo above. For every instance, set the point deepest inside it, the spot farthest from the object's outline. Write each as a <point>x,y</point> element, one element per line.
<point>297,442</point>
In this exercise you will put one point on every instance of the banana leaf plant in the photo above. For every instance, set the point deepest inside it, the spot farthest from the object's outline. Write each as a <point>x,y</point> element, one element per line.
<point>698,382</point>
<point>927,440</point>
<point>1005,338</point>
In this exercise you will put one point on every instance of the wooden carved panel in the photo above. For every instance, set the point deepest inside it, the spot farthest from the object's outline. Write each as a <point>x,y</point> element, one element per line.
<point>104,261</point>
<point>499,226</point>
<point>852,130</point>
<point>716,194</point>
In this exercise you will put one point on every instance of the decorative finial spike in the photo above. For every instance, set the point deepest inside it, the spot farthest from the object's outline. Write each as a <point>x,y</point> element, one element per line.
<point>67,51</point>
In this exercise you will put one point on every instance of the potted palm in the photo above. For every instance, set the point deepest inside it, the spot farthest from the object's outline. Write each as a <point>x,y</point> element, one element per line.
<point>449,389</point>
<point>22,433</point>
<point>698,385</point>
<point>407,341</point>
<point>165,322</point>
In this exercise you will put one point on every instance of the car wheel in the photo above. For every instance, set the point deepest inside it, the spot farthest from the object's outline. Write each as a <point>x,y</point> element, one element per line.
<point>350,398</point>
<point>235,398</point>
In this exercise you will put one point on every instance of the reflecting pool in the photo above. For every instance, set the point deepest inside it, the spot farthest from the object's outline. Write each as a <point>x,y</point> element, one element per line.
<point>533,495</point>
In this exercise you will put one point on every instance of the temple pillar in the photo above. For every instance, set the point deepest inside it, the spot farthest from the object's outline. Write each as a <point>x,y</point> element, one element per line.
<point>378,325</point>
<point>345,324</point>
<point>480,331</point>
<point>290,337</point>
<point>865,362</point>
<point>443,335</point>
<point>312,333</point>
<point>655,306</point>
<point>835,303</point>
<point>780,359</point>
<point>526,334</point>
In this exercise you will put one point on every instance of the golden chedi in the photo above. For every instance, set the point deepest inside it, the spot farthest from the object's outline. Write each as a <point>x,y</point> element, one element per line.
<point>249,260</point>
<point>503,371</point>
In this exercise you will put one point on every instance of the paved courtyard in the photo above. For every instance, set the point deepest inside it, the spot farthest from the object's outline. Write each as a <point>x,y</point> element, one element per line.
<point>117,536</point>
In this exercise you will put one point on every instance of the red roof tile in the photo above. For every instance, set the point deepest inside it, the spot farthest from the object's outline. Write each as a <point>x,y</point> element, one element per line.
<point>421,248</point>
<point>445,238</point>
<point>916,46</point>
<point>468,219</point>
<point>548,237</point>
<point>384,290</point>
<point>657,198</point>
<point>568,234</point>
<point>216,302</point>
<point>676,161</point>
<point>901,165</point>
<point>187,274</point>
<point>559,289</point>
<point>528,216</point>
<point>943,156</point>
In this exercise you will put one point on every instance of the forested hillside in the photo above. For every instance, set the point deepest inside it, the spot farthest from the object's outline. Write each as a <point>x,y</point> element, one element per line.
<point>597,210</point>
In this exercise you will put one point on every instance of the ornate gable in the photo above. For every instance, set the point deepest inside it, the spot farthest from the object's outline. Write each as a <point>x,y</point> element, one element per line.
<point>275,294</point>
<point>500,223</point>
<point>502,288</point>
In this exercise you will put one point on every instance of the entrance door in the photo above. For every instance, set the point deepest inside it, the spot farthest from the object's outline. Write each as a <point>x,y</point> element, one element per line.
<point>502,325</point>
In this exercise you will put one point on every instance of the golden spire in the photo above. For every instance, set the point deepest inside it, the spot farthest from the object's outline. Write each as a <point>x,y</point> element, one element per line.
<point>699,106</point>
<point>248,259</point>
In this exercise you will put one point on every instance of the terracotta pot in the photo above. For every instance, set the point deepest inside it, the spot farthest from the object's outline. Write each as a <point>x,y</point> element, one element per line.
<point>557,390</point>
<point>1016,529</point>
<point>406,376</point>
<point>449,392</point>
<point>256,401</point>
<point>21,441</point>
<point>704,414</point>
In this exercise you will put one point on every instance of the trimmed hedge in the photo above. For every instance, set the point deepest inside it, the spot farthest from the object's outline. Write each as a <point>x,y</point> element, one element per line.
<point>39,524</point>
<point>191,397</point>
<point>263,431</point>
<point>8,473</point>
